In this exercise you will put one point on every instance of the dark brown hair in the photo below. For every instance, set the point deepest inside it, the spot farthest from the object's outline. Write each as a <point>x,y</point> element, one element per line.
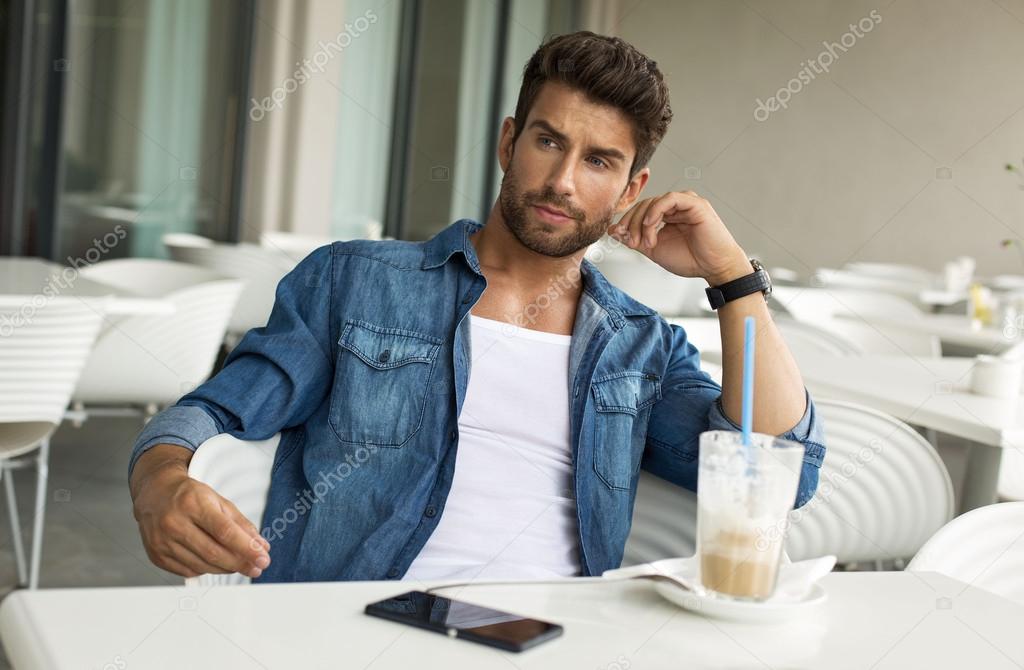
<point>608,70</point>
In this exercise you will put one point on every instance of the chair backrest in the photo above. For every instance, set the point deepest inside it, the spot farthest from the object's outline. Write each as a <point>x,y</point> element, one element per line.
<point>148,277</point>
<point>155,359</point>
<point>882,490</point>
<point>803,337</point>
<point>649,283</point>
<point>983,548</point>
<point>850,315</point>
<point>706,335</point>
<point>298,245</point>
<point>44,345</point>
<point>702,332</point>
<point>664,522</point>
<point>238,470</point>
<point>260,268</point>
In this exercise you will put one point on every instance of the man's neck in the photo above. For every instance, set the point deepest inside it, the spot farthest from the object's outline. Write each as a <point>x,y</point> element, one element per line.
<point>500,252</point>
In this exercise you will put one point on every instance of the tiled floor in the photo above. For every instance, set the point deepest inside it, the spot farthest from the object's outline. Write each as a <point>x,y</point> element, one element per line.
<point>91,538</point>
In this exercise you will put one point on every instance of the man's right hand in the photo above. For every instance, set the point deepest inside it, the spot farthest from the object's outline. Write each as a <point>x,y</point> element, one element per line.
<point>186,527</point>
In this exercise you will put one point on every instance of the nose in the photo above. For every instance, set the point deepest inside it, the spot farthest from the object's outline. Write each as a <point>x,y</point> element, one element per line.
<point>562,178</point>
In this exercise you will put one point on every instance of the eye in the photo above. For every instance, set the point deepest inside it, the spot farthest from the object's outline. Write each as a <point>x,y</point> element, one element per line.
<point>544,139</point>
<point>598,162</point>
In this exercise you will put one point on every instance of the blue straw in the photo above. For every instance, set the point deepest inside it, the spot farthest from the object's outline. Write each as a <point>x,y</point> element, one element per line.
<point>748,379</point>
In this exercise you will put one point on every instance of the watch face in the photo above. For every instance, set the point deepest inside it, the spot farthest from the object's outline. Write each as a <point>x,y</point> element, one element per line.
<point>759,267</point>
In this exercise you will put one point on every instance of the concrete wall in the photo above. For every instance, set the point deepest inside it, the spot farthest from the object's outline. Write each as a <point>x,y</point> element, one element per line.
<point>896,153</point>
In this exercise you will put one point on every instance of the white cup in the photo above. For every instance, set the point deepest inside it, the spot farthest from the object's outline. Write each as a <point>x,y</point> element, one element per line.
<point>996,377</point>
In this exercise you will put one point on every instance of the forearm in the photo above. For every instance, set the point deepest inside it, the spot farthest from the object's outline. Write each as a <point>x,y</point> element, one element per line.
<point>779,394</point>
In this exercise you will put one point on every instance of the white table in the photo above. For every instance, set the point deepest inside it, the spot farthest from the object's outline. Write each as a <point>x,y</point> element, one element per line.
<point>879,620</point>
<point>30,277</point>
<point>955,329</point>
<point>929,392</point>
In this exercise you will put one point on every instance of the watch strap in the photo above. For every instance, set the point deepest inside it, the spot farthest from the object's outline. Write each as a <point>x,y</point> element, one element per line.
<point>755,282</point>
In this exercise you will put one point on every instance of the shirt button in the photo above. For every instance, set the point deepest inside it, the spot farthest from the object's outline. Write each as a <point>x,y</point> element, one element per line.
<point>384,356</point>
<point>392,573</point>
<point>452,435</point>
<point>430,512</point>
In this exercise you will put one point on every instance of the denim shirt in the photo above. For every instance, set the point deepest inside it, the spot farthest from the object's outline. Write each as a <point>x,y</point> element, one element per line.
<point>363,368</point>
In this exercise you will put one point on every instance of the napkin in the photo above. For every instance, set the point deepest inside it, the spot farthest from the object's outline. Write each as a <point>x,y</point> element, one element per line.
<point>794,584</point>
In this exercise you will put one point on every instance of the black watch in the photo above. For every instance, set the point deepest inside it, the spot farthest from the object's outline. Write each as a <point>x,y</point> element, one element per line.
<point>757,281</point>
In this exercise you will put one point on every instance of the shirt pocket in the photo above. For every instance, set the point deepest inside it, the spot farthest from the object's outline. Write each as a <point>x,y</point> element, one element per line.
<point>622,401</point>
<point>380,383</point>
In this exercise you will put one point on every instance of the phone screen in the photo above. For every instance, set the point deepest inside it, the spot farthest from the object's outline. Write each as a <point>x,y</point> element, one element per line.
<point>472,622</point>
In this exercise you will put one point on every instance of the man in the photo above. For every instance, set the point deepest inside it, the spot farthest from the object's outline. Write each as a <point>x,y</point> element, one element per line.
<point>480,404</point>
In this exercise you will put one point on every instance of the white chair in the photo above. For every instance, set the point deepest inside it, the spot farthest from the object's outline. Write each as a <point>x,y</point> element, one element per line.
<point>703,333</point>
<point>803,337</point>
<point>238,470</point>
<point>298,245</point>
<point>152,360</point>
<point>983,548</point>
<point>261,269</point>
<point>42,352</point>
<point>646,281</point>
<point>664,522</point>
<point>848,314</point>
<point>882,490</point>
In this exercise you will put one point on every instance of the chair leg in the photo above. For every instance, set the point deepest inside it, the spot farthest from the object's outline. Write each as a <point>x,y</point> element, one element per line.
<point>42,475</point>
<point>12,509</point>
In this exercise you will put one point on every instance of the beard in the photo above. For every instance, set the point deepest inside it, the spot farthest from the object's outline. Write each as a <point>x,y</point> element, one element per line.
<point>555,240</point>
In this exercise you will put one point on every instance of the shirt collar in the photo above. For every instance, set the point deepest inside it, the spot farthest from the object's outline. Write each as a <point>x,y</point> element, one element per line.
<point>455,239</point>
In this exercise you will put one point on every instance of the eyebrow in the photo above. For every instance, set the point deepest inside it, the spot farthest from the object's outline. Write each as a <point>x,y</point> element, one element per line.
<point>607,152</point>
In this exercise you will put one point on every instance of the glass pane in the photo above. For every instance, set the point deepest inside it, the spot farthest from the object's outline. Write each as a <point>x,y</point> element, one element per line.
<point>149,122</point>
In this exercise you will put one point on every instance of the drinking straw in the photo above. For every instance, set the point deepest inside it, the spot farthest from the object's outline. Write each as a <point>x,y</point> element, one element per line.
<point>748,379</point>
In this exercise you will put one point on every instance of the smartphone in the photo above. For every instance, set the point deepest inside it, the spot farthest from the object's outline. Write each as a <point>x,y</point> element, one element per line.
<point>494,628</point>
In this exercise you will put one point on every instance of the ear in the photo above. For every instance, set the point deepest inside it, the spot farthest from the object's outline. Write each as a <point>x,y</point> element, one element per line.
<point>506,143</point>
<point>633,190</point>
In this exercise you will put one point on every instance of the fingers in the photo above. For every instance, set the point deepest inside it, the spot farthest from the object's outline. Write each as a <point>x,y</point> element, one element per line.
<point>171,565</point>
<point>671,202</point>
<point>193,561</point>
<point>213,554</point>
<point>218,518</point>
<point>629,228</point>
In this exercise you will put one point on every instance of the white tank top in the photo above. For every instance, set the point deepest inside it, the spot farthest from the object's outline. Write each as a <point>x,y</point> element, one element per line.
<point>511,511</point>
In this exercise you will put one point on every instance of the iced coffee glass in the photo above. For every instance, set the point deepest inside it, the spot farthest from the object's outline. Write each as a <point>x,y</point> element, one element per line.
<point>744,494</point>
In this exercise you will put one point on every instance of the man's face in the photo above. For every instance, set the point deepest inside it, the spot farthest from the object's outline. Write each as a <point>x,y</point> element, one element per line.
<point>572,156</point>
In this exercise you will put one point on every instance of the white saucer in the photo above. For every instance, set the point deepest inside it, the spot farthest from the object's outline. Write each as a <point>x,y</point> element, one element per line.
<point>742,611</point>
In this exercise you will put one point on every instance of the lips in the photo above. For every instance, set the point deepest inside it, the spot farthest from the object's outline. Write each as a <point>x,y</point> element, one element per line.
<point>552,212</point>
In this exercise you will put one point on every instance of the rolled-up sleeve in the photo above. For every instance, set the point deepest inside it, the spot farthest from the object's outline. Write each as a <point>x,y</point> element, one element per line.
<point>274,379</point>
<point>691,403</point>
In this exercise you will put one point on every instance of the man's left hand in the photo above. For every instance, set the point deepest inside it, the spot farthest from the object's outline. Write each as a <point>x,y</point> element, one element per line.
<point>682,233</point>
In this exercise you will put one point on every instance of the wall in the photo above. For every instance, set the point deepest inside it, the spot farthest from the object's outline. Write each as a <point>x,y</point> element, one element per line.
<point>895,154</point>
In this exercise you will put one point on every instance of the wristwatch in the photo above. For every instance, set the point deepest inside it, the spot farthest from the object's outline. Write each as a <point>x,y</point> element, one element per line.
<point>757,281</point>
